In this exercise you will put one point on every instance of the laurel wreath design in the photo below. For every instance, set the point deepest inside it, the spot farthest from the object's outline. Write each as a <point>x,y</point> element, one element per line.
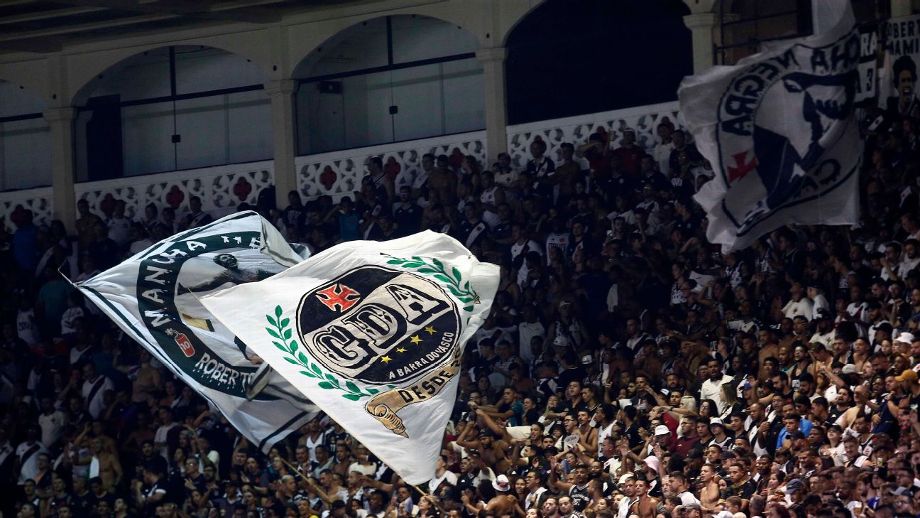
<point>283,334</point>
<point>450,279</point>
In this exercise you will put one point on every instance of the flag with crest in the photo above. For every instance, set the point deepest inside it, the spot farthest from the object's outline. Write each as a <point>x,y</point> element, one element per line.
<point>372,332</point>
<point>780,131</point>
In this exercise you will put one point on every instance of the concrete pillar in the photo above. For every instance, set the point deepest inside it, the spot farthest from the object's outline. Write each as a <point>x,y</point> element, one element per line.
<point>701,27</point>
<point>901,8</point>
<point>493,78</point>
<point>60,121</point>
<point>281,93</point>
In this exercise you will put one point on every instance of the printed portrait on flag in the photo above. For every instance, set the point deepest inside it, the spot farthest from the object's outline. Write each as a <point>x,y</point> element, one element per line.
<point>155,298</point>
<point>898,79</point>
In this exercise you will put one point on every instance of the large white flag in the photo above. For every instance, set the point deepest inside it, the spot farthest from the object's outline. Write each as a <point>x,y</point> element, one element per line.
<point>372,332</point>
<point>780,131</point>
<point>153,297</point>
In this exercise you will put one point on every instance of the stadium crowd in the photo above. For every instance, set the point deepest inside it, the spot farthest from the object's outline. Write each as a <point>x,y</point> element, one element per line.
<point>628,368</point>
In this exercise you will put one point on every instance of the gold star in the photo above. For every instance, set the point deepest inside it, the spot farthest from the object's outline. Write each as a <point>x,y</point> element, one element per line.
<point>401,350</point>
<point>431,330</point>
<point>415,340</point>
<point>386,359</point>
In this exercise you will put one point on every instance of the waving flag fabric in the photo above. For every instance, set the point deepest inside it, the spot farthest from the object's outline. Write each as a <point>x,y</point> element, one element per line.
<point>153,297</point>
<point>780,131</point>
<point>373,334</point>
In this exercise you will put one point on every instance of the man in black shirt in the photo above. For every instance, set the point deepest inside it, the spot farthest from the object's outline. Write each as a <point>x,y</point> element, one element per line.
<point>406,214</point>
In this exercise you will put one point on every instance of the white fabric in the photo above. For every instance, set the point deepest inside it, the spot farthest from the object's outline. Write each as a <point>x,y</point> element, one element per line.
<point>393,304</point>
<point>780,131</point>
<point>713,390</point>
<point>51,426</point>
<point>29,467</point>
<point>147,296</point>
<point>95,404</point>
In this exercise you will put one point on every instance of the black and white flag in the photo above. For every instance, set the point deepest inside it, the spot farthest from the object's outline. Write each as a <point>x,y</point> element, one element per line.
<point>153,297</point>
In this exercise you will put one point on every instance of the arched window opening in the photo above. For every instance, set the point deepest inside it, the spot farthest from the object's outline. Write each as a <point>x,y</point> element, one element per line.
<point>172,108</point>
<point>25,140</point>
<point>572,57</point>
<point>387,80</point>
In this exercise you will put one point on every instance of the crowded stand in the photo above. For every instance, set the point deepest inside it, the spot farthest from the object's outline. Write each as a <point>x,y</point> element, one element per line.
<point>627,367</point>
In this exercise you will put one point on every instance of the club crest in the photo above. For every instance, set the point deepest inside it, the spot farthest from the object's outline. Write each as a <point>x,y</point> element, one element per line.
<point>379,326</point>
<point>770,161</point>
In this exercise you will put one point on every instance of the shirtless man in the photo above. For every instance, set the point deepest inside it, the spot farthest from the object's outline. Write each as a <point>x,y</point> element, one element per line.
<point>709,495</point>
<point>503,503</point>
<point>645,506</point>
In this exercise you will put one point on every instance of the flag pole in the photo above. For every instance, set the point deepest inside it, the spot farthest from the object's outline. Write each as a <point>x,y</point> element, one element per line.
<point>293,468</point>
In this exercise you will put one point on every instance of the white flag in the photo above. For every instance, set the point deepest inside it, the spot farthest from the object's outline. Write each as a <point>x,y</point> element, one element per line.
<point>780,131</point>
<point>372,333</point>
<point>153,297</point>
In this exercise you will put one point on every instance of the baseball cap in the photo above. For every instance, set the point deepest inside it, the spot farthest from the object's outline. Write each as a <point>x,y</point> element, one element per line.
<point>907,375</point>
<point>715,420</point>
<point>662,430</point>
<point>905,337</point>
<point>849,369</point>
<point>794,485</point>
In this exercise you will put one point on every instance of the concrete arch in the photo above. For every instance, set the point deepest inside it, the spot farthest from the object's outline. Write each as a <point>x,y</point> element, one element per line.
<point>83,70</point>
<point>514,19</point>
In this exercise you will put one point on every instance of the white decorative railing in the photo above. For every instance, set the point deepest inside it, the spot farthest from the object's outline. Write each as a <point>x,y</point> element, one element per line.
<point>221,189</point>
<point>339,173</point>
<point>37,200</point>
<point>576,130</point>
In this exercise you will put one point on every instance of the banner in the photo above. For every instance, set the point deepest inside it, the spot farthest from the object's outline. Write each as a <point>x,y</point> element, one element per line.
<point>153,297</point>
<point>866,87</point>
<point>372,333</point>
<point>898,77</point>
<point>780,131</point>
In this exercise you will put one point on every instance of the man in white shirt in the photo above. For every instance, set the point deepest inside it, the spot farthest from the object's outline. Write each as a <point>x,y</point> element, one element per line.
<point>529,328</point>
<point>628,487</point>
<point>818,300</point>
<point>712,387</point>
<point>162,435</point>
<point>27,455</point>
<point>119,225</point>
<point>799,305</point>
<point>825,332</point>
<point>910,258</point>
<point>441,476</point>
<point>535,490</point>
<point>51,422</point>
<point>679,487</point>
<point>94,387</point>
